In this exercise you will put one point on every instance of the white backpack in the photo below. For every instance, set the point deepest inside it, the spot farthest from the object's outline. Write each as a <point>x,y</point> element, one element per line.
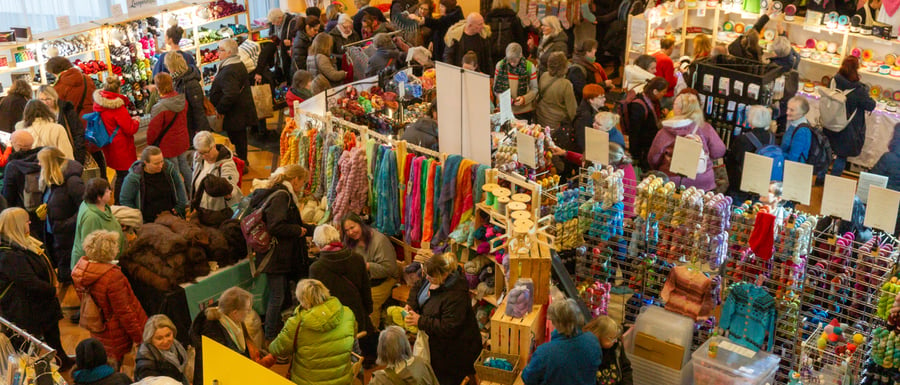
<point>833,108</point>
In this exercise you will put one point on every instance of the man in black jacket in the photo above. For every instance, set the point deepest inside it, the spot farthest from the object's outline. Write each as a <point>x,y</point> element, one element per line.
<point>282,28</point>
<point>231,97</point>
<point>469,36</point>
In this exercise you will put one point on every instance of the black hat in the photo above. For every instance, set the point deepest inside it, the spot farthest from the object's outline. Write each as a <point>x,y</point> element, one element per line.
<point>90,354</point>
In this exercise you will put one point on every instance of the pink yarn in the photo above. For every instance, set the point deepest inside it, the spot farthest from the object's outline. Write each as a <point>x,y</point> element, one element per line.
<point>353,186</point>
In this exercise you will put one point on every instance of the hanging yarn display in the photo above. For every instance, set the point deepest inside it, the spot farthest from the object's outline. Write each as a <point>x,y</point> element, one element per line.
<point>352,188</point>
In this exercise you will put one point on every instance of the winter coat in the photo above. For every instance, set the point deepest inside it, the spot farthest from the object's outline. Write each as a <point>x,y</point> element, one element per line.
<point>149,361</point>
<point>665,141</point>
<point>322,353</point>
<point>62,208</point>
<point>294,95</point>
<point>188,84</point>
<point>555,43</point>
<point>70,85</point>
<point>382,258</point>
<point>170,111</point>
<point>796,141</point>
<point>343,272</point>
<point>849,142</point>
<point>340,41</point>
<point>581,73</point>
<point>584,119</point>
<point>20,164</point>
<point>70,119</point>
<point>439,28</point>
<point>48,133</point>
<point>514,31</point>
<point>787,62</point>
<point>739,147</point>
<point>635,78</point>
<point>557,103</point>
<point>121,153</point>
<point>223,167</point>
<point>665,68</point>
<point>231,95</point>
<point>203,326</point>
<point>416,372</point>
<point>161,61</point>
<point>97,376</point>
<point>449,320</point>
<point>325,69</point>
<point>889,163</point>
<point>300,49</point>
<point>122,313</point>
<point>380,60</point>
<point>28,279</point>
<point>643,123</point>
<point>133,187</point>
<point>423,132</point>
<point>564,360</point>
<point>12,107</point>
<point>615,364</point>
<point>91,218</point>
<point>285,32</point>
<point>736,49</point>
<point>458,44</point>
<point>285,225</point>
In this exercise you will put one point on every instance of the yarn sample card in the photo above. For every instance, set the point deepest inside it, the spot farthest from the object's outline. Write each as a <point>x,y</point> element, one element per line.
<point>797,182</point>
<point>596,145</point>
<point>757,173</point>
<point>882,209</point>
<point>526,149</point>
<point>685,157</point>
<point>866,181</point>
<point>837,199</point>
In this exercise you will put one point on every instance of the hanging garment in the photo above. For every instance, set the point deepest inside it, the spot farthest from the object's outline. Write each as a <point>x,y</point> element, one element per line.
<point>388,214</point>
<point>448,193</point>
<point>749,316</point>
<point>414,203</point>
<point>352,189</point>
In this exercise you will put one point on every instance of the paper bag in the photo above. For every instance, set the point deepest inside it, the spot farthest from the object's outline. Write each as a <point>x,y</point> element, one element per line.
<point>262,99</point>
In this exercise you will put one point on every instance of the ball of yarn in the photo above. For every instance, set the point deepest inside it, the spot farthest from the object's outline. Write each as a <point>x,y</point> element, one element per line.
<point>829,329</point>
<point>822,342</point>
<point>858,339</point>
<point>833,338</point>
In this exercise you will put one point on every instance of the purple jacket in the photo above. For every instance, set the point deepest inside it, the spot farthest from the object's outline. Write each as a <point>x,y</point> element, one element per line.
<point>664,142</point>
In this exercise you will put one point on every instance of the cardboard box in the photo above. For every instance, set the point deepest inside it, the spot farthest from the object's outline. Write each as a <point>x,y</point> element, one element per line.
<point>658,351</point>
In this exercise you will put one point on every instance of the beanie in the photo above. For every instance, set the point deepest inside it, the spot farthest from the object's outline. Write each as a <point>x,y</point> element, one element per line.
<point>592,91</point>
<point>90,354</point>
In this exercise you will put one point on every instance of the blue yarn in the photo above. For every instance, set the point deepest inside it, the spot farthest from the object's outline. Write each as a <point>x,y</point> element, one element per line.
<point>388,213</point>
<point>498,363</point>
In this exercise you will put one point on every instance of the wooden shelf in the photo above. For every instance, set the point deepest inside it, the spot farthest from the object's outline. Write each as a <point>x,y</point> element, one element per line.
<point>207,22</point>
<point>86,52</point>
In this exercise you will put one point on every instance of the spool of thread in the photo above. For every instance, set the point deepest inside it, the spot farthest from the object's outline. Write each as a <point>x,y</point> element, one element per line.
<point>489,193</point>
<point>500,204</point>
<point>516,206</point>
<point>519,214</point>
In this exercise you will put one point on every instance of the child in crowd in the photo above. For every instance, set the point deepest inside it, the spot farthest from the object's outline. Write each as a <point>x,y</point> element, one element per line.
<point>300,90</point>
<point>470,61</point>
<point>615,368</point>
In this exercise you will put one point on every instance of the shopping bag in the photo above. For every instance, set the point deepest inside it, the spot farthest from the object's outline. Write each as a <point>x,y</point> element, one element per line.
<point>421,349</point>
<point>212,116</point>
<point>262,99</point>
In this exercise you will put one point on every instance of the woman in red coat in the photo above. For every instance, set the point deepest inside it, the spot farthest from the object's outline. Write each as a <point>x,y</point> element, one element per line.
<point>168,126</point>
<point>123,315</point>
<point>121,153</point>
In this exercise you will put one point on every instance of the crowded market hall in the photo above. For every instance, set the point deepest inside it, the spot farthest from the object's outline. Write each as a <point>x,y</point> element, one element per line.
<point>450,192</point>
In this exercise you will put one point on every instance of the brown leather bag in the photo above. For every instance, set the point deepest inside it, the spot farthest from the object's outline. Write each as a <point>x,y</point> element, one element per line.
<point>91,314</point>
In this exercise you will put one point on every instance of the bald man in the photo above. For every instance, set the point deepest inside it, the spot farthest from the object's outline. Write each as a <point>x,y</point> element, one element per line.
<point>21,140</point>
<point>469,35</point>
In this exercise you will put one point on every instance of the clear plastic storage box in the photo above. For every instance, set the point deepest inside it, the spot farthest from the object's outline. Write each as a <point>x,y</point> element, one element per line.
<point>666,326</point>
<point>733,365</point>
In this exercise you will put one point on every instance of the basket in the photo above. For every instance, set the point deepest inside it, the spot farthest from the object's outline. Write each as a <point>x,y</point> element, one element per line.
<point>486,373</point>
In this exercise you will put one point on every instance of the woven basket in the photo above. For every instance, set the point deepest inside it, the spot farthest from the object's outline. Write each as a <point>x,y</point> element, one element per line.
<point>486,373</point>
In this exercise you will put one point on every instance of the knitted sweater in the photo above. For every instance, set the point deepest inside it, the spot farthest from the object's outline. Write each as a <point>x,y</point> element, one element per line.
<point>749,316</point>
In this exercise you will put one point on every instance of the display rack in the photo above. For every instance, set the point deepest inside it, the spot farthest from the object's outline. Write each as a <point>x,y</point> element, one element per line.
<point>34,365</point>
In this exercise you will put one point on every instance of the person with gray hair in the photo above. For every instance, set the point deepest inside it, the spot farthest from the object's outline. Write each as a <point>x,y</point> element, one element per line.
<point>344,273</point>
<point>520,77</point>
<point>798,136</point>
<point>282,28</point>
<point>343,34</point>
<point>154,186</point>
<point>759,135</point>
<point>571,357</point>
<point>211,159</point>
<point>231,97</point>
<point>386,54</point>
<point>785,56</point>
<point>160,354</point>
<point>402,367</point>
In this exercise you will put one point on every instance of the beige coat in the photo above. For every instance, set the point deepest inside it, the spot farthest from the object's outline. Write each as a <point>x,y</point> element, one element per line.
<point>557,103</point>
<point>49,134</point>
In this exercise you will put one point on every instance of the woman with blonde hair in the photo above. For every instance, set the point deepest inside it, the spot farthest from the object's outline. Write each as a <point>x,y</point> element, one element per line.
<point>687,122</point>
<point>160,354</point>
<point>66,116</point>
<point>61,181</point>
<point>319,64</point>
<point>553,39</point>
<point>281,204</point>
<point>702,47</point>
<point>318,337</point>
<point>28,282</point>
<point>615,368</point>
<point>186,80</point>
<point>439,306</point>
<point>98,276</point>
<point>41,123</point>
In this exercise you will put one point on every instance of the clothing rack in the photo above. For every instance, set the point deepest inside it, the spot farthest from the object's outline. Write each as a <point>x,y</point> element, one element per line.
<point>365,132</point>
<point>31,340</point>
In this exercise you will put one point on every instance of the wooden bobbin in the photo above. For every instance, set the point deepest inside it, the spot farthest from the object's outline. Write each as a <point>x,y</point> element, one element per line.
<point>521,227</point>
<point>519,214</point>
<point>516,206</point>
<point>500,204</point>
<point>489,193</point>
<point>520,197</point>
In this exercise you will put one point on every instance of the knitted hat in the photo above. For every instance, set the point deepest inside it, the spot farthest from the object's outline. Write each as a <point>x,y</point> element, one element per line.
<point>90,354</point>
<point>592,91</point>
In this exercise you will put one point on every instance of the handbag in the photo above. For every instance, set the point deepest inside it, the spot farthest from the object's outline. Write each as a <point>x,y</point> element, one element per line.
<point>215,119</point>
<point>262,100</point>
<point>294,349</point>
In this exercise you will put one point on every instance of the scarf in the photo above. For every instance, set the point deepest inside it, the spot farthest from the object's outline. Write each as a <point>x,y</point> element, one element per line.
<point>235,331</point>
<point>290,189</point>
<point>333,246</point>
<point>518,72</point>
<point>89,376</point>
<point>175,355</point>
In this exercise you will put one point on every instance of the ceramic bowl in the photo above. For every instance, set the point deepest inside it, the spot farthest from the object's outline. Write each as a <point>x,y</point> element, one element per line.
<point>884,70</point>
<point>895,71</point>
<point>891,107</point>
<point>806,52</point>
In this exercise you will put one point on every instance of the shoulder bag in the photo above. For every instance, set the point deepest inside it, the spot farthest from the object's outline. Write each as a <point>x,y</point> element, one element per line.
<point>165,131</point>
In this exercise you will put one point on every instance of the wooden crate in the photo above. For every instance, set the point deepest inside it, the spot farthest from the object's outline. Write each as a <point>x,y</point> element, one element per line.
<point>535,265</point>
<point>517,336</point>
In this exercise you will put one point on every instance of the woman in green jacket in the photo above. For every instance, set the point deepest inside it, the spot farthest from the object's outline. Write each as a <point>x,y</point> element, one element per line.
<point>95,214</point>
<point>319,335</point>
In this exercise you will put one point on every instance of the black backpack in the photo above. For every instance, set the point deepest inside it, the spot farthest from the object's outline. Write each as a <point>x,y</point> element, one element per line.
<point>501,35</point>
<point>820,153</point>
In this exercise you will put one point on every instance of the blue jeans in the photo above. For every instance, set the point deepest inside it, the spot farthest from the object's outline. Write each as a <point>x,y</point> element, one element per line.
<point>183,165</point>
<point>837,168</point>
<point>277,287</point>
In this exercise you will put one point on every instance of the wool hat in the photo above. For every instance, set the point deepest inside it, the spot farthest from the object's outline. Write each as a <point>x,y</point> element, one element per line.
<point>90,354</point>
<point>592,91</point>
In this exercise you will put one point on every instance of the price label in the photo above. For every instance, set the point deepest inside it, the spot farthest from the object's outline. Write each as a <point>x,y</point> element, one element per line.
<point>63,22</point>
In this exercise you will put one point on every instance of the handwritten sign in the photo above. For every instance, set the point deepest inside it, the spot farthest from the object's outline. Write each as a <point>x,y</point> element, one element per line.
<point>133,4</point>
<point>798,182</point>
<point>596,145</point>
<point>881,212</point>
<point>757,173</point>
<point>837,199</point>
<point>526,149</point>
<point>685,157</point>
<point>506,113</point>
<point>867,180</point>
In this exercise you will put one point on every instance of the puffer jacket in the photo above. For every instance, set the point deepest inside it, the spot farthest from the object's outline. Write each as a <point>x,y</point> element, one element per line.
<point>322,352</point>
<point>449,320</point>
<point>21,163</point>
<point>664,142</point>
<point>889,163</point>
<point>70,85</point>
<point>48,133</point>
<point>134,188</point>
<point>225,168</point>
<point>188,84</point>
<point>231,96</point>
<point>91,218</point>
<point>11,109</point>
<point>285,225</point>
<point>70,119</point>
<point>300,49</point>
<point>121,153</point>
<point>62,208</point>
<point>850,141</point>
<point>30,301</point>
<point>177,139</point>
<point>123,315</point>
<point>557,105</point>
<point>556,43</point>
